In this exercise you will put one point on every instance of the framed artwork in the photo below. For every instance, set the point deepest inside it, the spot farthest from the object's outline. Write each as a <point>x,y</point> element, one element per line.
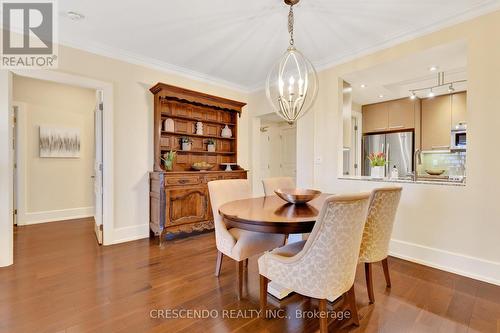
<point>59,142</point>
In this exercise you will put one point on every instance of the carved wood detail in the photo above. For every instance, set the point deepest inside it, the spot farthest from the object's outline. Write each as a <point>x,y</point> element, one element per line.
<point>179,199</point>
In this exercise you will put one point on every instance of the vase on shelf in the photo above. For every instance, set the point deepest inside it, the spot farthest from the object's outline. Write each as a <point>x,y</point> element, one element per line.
<point>169,125</point>
<point>377,171</point>
<point>226,132</point>
<point>199,128</point>
<point>186,146</point>
<point>211,148</point>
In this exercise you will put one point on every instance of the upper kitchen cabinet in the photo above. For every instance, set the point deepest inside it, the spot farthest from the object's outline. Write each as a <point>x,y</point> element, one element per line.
<point>375,117</point>
<point>389,116</point>
<point>401,114</point>
<point>436,122</point>
<point>458,108</point>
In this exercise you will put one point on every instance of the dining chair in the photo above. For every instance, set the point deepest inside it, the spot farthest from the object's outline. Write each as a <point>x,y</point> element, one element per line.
<point>324,265</point>
<point>235,243</point>
<point>271,184</point>
<point>377,234</point>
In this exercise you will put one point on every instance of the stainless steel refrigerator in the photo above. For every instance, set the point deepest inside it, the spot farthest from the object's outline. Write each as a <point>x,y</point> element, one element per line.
<point>398,147</point>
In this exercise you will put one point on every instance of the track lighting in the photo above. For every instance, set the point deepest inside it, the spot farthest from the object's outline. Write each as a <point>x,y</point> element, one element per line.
<point>441,83</point>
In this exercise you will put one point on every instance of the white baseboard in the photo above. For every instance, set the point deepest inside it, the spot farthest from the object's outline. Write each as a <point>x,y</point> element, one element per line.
<point>54,215</point>
<point>475,268</point>
<point>127,234</point>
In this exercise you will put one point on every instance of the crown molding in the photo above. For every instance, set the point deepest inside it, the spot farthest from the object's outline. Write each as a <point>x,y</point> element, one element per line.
<point>144,61</point>
<point>465,16</point>
<point>134,58</point>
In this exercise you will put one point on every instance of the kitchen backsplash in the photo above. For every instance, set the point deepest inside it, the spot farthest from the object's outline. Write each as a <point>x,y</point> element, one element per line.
<point>452,162</point>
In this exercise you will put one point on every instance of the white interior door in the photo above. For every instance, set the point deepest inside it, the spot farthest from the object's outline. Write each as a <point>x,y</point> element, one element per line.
<point>265,161</point>
<point>98,167</point>
<point>288,163</point>
<point>15,177</point>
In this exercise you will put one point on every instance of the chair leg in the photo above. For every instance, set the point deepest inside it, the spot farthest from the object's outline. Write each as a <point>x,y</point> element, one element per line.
<point>286,239</point>
<point>218,263</point>
<point>369,282</point>
<point>385,265</point>
<point>351,300</point>
<point>264,281</point>
<point>239,265</point>
<point>246,263</point>
<point>323,316</point>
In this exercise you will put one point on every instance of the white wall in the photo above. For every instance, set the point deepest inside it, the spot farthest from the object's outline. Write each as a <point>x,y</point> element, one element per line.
<point>6,222</point>
<point>132,132</point>
<point>454,228</point>
<point>52,189</point>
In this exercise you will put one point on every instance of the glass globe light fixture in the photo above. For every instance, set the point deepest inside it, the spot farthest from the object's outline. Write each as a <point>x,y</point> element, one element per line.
<point>292,84</point>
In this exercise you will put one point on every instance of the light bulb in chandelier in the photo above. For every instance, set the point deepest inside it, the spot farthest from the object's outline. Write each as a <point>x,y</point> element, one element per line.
<point>292,84</point>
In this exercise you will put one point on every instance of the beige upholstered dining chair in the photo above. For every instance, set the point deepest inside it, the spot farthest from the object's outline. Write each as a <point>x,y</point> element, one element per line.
<point>377,234</point>
<point>237,244</point>
<point>271,184</point>
<point>324,265</point>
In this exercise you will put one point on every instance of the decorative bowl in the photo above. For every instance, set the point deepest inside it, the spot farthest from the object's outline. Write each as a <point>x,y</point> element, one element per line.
<point>202,167</point>
<point>435,172</point>
<point>297,195</point>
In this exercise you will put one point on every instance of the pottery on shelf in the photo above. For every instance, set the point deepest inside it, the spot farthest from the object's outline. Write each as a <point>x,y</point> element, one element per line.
<point>228,166</point>
<point>226,132</point>
<point>199,128</point>
<point>169,125</point>
<point>211,148</point>
<point>186,146</point>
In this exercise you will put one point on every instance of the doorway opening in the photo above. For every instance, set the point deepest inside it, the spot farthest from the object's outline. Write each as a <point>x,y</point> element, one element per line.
<point>58,153</point>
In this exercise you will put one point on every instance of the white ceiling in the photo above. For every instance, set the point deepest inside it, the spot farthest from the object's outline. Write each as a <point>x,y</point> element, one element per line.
<point>235,42</point>
<point>396,79</point>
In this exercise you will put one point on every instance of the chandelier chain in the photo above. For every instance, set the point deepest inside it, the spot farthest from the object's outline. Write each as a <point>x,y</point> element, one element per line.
<point>290,25</point>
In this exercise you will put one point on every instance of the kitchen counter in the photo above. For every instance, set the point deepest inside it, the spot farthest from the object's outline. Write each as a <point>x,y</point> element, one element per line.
<point>426,180</point>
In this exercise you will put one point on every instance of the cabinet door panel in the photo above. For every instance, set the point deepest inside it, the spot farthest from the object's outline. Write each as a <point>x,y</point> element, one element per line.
<point>458,108</point>
<point>375,117</point>
<point>436,122</point>
<point>187,205</point>
<point>401,114</point>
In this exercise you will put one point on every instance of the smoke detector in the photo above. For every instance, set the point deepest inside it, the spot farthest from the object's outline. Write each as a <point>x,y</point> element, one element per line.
<point>74,16</point>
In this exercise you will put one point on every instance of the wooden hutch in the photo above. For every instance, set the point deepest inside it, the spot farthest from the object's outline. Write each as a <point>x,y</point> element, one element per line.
<point>179,199</point>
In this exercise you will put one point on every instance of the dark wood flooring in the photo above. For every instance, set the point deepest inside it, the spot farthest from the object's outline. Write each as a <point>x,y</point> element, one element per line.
<point>62,281</point>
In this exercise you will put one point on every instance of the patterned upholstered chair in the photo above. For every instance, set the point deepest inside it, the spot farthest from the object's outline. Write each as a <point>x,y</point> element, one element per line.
<point>323,266</point>
<point>271,184</point>
<point>377,234</point>
<point>236,243</point>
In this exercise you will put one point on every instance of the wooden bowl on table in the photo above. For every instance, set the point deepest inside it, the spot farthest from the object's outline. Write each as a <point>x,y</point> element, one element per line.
<point>297,195</point>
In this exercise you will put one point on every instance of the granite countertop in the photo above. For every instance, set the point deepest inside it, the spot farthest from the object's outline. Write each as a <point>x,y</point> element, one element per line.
<point>429,181</point>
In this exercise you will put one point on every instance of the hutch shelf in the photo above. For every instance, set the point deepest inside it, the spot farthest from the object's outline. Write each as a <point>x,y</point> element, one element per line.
<point>179,199</point>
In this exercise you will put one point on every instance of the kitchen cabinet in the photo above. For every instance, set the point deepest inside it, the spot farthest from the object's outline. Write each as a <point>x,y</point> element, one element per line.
<point>458,108</point>
<point>436,122</point>
<point>401,114</point>
<point>375,117</point>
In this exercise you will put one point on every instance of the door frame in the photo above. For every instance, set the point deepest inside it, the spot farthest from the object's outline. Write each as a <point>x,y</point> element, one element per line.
<point>107,136</point>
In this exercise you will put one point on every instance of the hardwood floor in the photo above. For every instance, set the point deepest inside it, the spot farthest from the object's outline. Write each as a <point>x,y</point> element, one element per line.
<point>62,281</point>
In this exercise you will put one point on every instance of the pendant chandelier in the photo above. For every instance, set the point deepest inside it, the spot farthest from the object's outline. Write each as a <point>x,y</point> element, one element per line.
<point>292,84</point>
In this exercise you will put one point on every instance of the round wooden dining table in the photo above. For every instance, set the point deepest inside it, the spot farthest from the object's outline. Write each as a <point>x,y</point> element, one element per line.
<point>272,214</point>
